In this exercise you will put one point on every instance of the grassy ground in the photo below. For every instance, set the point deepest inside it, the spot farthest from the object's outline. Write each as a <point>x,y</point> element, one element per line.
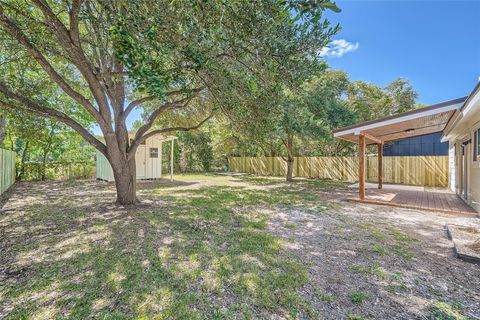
<point>203,247</point>
<point>191,254</point>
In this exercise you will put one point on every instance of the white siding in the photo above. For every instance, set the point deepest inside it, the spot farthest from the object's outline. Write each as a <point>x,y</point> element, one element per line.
<point>474,175</point>
<point>452,167</point>
<point>104,170</point>
<point>462,130</point>
<point>473,169</point>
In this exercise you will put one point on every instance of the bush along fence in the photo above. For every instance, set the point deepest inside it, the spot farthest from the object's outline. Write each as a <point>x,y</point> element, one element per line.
<point>58,170</point>
<point>7,169</point>
<point>429,171</point>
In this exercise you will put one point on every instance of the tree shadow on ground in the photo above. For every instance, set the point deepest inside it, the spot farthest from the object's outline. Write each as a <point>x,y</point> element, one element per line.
<point>215,252</point>
<point>76,255</point>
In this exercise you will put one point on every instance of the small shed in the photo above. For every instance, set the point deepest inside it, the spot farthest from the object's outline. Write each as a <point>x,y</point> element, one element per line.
<point>148,159</point>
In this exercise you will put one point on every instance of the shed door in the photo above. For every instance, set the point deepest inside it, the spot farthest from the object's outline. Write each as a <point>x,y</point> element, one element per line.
<point>141,161</point>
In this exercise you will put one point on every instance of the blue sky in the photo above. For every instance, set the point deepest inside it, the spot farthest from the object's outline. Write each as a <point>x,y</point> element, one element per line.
<point>434,44</point>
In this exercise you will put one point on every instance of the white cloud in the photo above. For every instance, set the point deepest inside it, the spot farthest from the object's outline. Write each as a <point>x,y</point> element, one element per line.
<point>337,48</point>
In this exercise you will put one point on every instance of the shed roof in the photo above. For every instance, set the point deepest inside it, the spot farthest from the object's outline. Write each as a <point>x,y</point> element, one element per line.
<point>158,136</point>
<point>413,123</point>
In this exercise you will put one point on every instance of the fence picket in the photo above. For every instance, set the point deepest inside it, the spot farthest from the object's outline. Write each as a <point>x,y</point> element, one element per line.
<point>420,170</point>
<point>7,169</point>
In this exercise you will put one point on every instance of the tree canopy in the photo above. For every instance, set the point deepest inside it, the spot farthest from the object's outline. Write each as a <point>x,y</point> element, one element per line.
<point>370,101</point>
<point>189,58</point>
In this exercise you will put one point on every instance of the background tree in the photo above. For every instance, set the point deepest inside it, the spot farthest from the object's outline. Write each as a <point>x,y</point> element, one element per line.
<point>42,140</point>
<point>196,148</point>
<point>2,127</point>
<point>21,130</point>
<point>306,114</point>
<point>324,96</point>
<point>111,57</point>
<point>312,112</point>
<point>370,101</point>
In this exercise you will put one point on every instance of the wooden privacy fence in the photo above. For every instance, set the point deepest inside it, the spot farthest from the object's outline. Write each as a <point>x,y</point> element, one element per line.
<point>420,170</point>
<point>7,169</point>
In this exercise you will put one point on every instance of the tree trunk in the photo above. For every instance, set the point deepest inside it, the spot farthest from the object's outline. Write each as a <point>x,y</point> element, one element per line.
<point>2,128</point>
<point>12,143</point>
<point>125,176</point>
<point>290,168</point>
<point>289,147</point>
<point>22,162</point>
<point>45,154</point>
<point>183,158</point>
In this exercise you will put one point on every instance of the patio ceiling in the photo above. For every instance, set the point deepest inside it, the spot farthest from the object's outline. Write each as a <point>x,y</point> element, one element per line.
<point>414,123</point>
<point>405,125</point>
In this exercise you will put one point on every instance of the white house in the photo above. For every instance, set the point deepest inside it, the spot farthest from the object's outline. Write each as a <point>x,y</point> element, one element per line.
<point>148,159</point>
<point>463,135</point>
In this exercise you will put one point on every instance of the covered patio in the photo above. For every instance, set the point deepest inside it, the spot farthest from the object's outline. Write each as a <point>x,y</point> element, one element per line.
<point>414,123</point>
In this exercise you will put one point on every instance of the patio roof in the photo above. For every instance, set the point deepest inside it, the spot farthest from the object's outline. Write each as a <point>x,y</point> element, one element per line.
<point>413,123</point>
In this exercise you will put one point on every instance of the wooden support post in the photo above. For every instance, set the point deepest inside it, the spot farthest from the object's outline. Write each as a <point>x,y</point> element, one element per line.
<point>380,165</point>
<point>361,174</point>
<point>171,162</point>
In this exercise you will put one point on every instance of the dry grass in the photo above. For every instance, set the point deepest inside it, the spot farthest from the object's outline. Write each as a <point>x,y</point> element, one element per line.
<point>214,247</point>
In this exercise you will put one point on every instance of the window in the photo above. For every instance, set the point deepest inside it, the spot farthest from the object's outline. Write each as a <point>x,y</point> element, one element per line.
<point>153,152</point>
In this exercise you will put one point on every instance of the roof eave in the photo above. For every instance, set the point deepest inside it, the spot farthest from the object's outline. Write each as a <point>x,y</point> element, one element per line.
<point>457,102</point>
<point>407,116</point>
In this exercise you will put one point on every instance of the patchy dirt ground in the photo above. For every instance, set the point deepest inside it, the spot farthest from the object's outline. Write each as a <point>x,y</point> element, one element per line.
<point>226,247</point>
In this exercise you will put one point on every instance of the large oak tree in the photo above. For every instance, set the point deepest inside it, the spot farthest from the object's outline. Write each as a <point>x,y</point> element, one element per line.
<point>180,57</point>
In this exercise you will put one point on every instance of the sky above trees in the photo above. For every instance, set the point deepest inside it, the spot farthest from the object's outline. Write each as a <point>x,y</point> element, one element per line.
<point>434,44</point>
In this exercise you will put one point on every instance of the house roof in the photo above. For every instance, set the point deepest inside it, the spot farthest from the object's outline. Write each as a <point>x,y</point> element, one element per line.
<point>467,113</point>
<point>472,94</point>
<point>413,123</point>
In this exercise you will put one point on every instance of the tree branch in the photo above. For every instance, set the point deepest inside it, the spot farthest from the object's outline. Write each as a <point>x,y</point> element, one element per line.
<point>286,147</point>
<point>113,74</point>
<point>151,119</point>
<point>33,107</point>
<point>17,34</point>
<point>23,14</point>
<point>135,103</point>
<point>73,17</point>
<point>182,91</point>
<point>76,53</point>
<point>152,133</point>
